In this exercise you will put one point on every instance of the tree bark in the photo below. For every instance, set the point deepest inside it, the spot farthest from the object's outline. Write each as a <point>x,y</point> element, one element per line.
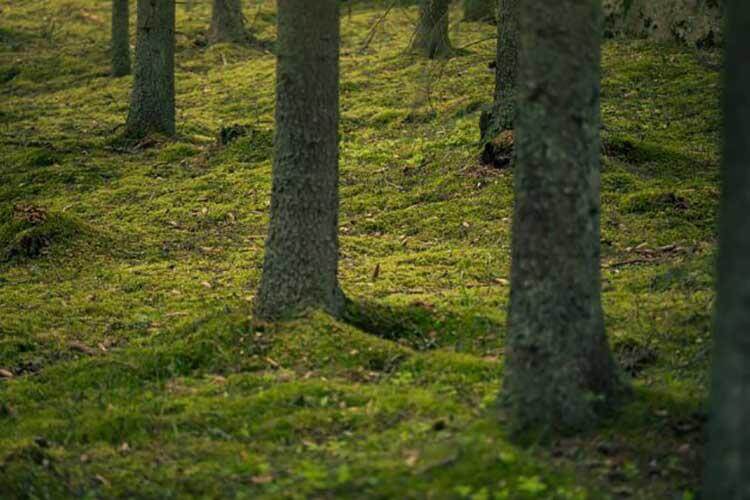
<point>501,115</point>
<point>120,37</point>
<point>227,22</point>
<point>727,472</point>
<point>152,104</point>
<point>300,270</point>
<point>480,10</point>
<point>431,38</point>
<point>558,362</point>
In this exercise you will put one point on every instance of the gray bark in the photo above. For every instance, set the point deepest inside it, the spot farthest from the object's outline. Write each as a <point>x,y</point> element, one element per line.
<point>480,10</point>
<point>727,473</point>
<point>506,65</point>
<point>431,38</point>
<point>227,22</point>
<point>501,115</point>
<point>152,103</point>
<point>558,362</point>
<point>300,270</point>
<point>120,37</point>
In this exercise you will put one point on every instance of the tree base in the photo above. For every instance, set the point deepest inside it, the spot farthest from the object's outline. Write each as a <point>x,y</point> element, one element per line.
<point>498,152</point>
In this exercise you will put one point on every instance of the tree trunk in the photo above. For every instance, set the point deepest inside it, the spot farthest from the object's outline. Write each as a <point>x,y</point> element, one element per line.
<point>120,38</point>
<point>480,10</point>
<point>500,116</point>
<point>152,104</point>
<point>558,362</point>
<point>727,473</point>
<point>227,22</point>
<point>431,38</point>
<point>301,261</point>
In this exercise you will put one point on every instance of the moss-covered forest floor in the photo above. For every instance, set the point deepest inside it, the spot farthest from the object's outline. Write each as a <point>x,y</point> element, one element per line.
<point>130,366</point>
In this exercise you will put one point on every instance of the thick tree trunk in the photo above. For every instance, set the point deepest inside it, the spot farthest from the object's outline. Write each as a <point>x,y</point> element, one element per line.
<point>431,38</point>
<point>499,118</point>
<point>558,359</point>
<point>727,473</point>
<point>301,262</point>
<point>480,10</point>
<point>120,37</point>
<point>227,22</point>
<point>152,104</point>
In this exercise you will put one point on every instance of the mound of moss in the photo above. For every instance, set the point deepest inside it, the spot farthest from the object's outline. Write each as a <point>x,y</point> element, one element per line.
<point>28,231</point>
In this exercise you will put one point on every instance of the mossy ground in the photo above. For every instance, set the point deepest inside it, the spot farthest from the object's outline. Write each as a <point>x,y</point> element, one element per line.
<point>137,370</point>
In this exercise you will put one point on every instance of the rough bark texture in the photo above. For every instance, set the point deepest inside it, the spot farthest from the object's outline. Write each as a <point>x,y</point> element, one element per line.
<point>500,116</point>
<point>152,102</point>
<point>506,70</point>
<point>692,22</point>
<point>480,10</point>
<point>558,360</point>
<point>431,38</point>
<point>301,262</point>
<point>727,473</point>
<point>227,22</point>
<point>120,37</point>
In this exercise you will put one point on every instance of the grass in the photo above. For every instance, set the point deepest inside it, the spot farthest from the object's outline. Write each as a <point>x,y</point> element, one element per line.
<point>125,306</point>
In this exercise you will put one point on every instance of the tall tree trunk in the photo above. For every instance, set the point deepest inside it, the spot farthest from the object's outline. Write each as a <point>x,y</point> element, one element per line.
<point>500,116</point>
<point>431,38</point>
<point>301,261</point>
<point>480,10</point>
<point>558,359</point>
<point>227,22</point>
<point>120,37</point>
<point>152,104</point>
<point>727,473</point>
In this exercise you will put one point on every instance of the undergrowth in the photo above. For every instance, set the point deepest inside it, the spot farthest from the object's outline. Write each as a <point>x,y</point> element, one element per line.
<point>131,366</point>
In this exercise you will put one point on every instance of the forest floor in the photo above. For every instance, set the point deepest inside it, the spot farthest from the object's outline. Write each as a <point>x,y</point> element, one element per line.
<point>129,364</point>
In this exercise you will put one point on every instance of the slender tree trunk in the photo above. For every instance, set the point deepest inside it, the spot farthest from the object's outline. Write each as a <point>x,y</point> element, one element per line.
<point>431,38</point>
<point>227,22</point>
<point>500,117</point>
<point>152,104</point>
<point>727,473</point>
<point>120,37</point>
<point>301,262</point>
<point>506,65</point>
<point>558,359</point>
<point>480,10</point>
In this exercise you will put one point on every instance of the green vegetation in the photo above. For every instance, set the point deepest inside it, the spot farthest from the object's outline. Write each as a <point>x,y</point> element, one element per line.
<point>128,270</point>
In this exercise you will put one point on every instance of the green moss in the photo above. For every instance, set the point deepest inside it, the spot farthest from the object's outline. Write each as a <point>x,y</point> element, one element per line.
<point>133,324</point>
<point>653,201</point>
<point>39,157</point>
<point>175,153</point>
<point>27,231</point>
